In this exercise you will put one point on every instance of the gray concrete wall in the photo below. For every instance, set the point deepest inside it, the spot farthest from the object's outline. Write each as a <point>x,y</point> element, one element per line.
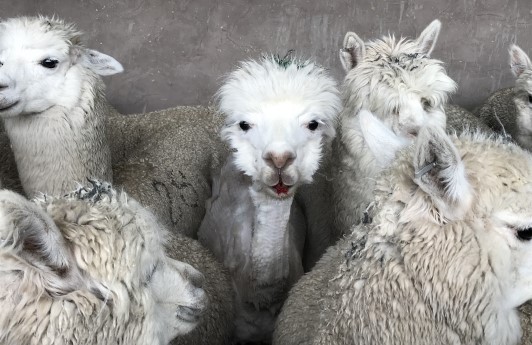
<point>174,52</point>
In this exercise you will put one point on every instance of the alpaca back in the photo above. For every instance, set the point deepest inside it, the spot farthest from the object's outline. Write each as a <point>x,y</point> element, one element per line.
<point>460,120</point>
<point>165,159</point>
<point>218,325</point>
<point>499,112</point>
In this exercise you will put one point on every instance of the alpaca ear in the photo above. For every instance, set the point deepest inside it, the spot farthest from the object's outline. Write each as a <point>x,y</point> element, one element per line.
<point>427,39</point>
<point>381,140</point>
<point>97,62</point>
<point>519,60</point>
<point>23,225</point>
<point>440,173</point>
<point>352,51</point>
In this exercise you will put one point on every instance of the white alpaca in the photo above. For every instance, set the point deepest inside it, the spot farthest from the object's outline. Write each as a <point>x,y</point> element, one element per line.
<point>48,88</point>
<point>280,113</point>
<point>447,259</point>
<point>405,89</point>
<point>56,114</point>
<point>62,129</point>
<point>90,268</point>
<point>509,111</point>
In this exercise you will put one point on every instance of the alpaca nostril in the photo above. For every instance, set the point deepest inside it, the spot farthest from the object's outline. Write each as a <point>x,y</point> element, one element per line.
<point>197,279</point>
<point>3,87</point>
<point>280,160</point>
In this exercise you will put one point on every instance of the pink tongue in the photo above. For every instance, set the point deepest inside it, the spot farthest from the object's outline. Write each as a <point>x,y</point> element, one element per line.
<point>280,188</point>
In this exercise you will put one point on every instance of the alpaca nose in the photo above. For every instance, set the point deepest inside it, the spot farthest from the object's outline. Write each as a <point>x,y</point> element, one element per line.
<point>196,278</point>
<point>280,160</point>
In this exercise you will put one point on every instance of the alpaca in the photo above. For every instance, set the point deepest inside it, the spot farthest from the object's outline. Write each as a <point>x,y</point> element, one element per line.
<point>400,84</point>
<point>447,259</point>
<point>90,268</point>
<point>279,114</point>
<point>509,111</point>
<point>56,97</point>
<point>142,148</point>
<point>60,137</point>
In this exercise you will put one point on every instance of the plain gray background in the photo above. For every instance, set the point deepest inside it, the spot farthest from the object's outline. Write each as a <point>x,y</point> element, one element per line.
<point>175,52</point>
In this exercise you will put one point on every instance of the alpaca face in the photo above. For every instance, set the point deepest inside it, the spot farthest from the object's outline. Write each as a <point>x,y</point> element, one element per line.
<point>278,119</point>
<point>474,204</point>
<point>42,65</point>
<point>107,254</point>
<point>504,194</point>
<point>397,81</point>
<point>279,147</point>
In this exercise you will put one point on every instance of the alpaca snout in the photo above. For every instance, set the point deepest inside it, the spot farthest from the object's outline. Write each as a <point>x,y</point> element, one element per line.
<point>279,159</point>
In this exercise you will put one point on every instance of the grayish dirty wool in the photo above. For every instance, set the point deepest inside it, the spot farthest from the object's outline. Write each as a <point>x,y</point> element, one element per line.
<point>165,158</point>
<point>500,105</point>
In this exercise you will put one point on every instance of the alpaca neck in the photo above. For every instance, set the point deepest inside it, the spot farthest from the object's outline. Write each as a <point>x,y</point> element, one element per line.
<point>361,160</point>
<point>60,146</point>
<point>270,243</point>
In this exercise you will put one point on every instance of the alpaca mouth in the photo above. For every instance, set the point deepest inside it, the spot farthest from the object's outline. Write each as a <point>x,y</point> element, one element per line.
<point>280,188</point>
<point>9,106</point>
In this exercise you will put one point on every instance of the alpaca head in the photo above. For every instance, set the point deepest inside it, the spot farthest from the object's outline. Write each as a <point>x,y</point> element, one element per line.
<point>279,114</point>
<point>104,251</point>
<point>396,80</point>
<point>469,197</point>
<point>43,64</point>
<point>522,69</point>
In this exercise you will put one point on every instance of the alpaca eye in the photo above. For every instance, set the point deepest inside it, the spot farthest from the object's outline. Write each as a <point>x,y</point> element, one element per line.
<point>529,95</point>
<point>244,126</point>
<point>426,104</point>
<point>313,125</point>
<point>525,234</point>
<point>49,63</point>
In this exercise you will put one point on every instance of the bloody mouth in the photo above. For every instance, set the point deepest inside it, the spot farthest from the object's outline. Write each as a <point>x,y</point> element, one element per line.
<point>281,188</point>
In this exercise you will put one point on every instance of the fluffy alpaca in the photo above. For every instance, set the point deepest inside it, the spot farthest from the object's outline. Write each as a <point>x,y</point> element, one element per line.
<point>160,169</point>
<point>279,114</point>
<point>405,89</point>
<point>447,259</point>
<point>509,111</point>
<point>74,121</point>
<point>47,100</point>
<point>90,268</point>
